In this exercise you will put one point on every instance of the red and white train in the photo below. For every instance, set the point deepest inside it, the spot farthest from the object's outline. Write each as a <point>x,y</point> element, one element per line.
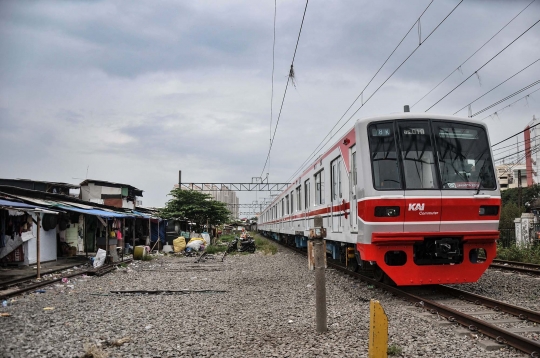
<point>412,197</point>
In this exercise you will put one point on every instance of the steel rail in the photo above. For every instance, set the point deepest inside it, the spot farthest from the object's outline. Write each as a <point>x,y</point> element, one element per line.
<point>519,312</point>
<point>6,284</point>
<point>99,272</point>
<point>499,334</point>
<point>515,268</point>
<point>517,263</point>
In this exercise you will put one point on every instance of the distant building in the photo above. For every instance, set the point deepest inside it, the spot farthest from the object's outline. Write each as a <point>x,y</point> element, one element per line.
<point>45,186</point>
<point>508,175</point>
<point>224,195</point>
<point>112,194</point>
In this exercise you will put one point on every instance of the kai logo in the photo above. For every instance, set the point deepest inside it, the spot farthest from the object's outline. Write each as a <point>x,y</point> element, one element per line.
<point>416,207</point>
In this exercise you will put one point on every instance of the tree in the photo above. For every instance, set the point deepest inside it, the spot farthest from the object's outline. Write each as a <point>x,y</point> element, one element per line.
<point>254,219</point>
<point>196,207</point>
<point>509,212</point>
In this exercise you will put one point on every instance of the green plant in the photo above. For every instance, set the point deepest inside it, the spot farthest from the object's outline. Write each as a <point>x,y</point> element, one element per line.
<point>521,254</point>
<point>226,238</point>
<point>394,350</point>
<point>213,249</point>
<point>265,245</point>
<point>148,258</point>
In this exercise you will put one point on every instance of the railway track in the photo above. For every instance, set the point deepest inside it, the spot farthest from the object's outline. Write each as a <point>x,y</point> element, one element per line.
<point>27,284</point>
<point>455,305</point>
<point>523,267</point>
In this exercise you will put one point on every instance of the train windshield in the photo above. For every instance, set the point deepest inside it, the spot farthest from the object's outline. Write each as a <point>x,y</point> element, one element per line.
<point>464,156</point>
<point>411,148</point>
<point>382,143</point>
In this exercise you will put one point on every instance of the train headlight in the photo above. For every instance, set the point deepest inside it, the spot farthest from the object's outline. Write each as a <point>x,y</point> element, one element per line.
<point>488,210</point>
<point>386,211</point>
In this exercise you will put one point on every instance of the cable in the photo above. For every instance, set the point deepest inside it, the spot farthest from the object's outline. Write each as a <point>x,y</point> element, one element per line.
<point>515,74</point>
<point>468,58</point>
<point>512,167</point>
<point>315,152</point>
<point>476,72</point>
<point>512,136</point>
<point>516,153</point>
<point>511,104</point>
<point>273,67</point>
<point>505,98</point>
<point>363,90</point>
<point>511,145</point>
<point>285,92</point>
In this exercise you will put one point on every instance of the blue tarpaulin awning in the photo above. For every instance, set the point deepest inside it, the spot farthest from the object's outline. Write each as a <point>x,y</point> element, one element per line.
<point>19,205</point>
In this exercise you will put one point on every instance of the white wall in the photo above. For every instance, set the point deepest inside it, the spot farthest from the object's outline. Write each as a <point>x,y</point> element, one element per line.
<point>47,241</point>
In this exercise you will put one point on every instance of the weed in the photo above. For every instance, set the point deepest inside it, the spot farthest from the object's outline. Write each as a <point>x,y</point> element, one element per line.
<point>521,254</point>
<point>226,238</point>
<point>394,350</point>
<point>213,249</point>
<point>148,258</point>
<point>264,245</point>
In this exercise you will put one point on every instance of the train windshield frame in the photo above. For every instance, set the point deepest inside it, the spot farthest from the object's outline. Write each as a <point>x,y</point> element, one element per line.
<point>430,154</point>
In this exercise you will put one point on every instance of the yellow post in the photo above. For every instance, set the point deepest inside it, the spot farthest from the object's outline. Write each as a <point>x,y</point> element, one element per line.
<point>378,331</point>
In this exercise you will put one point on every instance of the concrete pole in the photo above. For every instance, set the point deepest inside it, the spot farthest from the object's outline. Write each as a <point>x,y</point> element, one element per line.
<point>84,235</point>
<point>134,233</point>
<point>320,285</point>
<point>38,245</point>
<point>123,237</point>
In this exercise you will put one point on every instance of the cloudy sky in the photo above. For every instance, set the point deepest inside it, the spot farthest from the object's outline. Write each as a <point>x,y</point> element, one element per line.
<point>137,90</point>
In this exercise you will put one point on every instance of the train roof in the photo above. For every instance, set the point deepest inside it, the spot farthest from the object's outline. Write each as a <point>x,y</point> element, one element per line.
<point>423,115</point>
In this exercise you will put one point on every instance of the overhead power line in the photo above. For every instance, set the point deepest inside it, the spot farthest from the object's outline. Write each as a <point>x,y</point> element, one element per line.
<point>366,86</point>
<point>512,136</point>
<point>505,98</point>
<point>510,105</point>
<point>291,75</point>
<point>315,152</point>
<point>515,74</point>
<point>513,145</point>
<point>484,65</point>
<point>273,68</point>
<point>515,153</point>
<point>474,53</point>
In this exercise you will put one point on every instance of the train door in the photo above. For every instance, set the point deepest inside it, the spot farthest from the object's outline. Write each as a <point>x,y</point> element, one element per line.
<point>307,202</point>
<point>353,178</point>
<point>336,195</point>
<point>422,193</point>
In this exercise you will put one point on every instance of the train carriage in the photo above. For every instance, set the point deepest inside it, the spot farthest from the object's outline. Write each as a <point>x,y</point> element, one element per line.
<point>412,197</point>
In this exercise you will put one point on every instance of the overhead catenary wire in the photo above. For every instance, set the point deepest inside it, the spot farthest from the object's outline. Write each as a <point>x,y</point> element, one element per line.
<point>484,65</point>
<point>315,152</point>
<point>273,68</point>
<point>514,154</point>
<point>369,82</point>
<point>506,80</point>
<point>512,136</point>
<point>510,105</point>
<point>505,98</point>
<point>474,53</point>
<point>513,145</point>
<point>286,86</point>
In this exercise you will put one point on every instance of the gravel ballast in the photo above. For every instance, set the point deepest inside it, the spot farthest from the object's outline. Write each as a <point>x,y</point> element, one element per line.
<point>266,311</point>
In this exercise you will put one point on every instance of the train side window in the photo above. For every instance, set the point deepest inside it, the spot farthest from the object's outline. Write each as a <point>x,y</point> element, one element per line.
<point>417,152</point>
<point>307,193</point>
<point>299,198</point>
<point>319,188</point>
<point>287,205</point>
<point>383,153</point>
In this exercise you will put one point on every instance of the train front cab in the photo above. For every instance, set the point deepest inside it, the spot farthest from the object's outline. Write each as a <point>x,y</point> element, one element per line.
<point>430,206</point>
